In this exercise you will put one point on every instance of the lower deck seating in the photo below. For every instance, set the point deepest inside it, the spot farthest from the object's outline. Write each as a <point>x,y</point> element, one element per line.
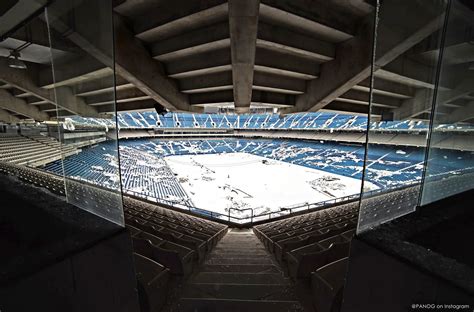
<point>327,285</point>
<point>302,261</point>
<point>172,240</point>
<point>152,279</point>
<point>168,244</point>
<point>178,259</point>
<point>312,247</point>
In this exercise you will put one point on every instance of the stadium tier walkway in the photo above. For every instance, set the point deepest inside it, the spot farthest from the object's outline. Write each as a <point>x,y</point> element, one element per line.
<point>239,275</point>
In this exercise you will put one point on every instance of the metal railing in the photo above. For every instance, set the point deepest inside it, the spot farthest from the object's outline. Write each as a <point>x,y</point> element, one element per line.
<point>240,219</point>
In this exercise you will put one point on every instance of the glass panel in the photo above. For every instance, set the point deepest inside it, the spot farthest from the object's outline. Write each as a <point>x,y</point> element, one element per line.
<point>403,82</point>
<point>450,158</point>
<point>27,111</point>
<point>84,85</point>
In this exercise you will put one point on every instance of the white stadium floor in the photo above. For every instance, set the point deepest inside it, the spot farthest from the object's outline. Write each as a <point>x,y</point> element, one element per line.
<point>217,182</point>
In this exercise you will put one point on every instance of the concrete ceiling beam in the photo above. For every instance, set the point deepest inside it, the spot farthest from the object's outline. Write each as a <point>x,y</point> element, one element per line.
<point>5,116</point>
<point>60,96</point>
<point>243,25</point>
<point>289,42</point>
<point>320,18</point>
<point>353,62</point>
<point>191,39</point>
<point>20,106</point>
<point>359,97</point>
<point>199,19</point>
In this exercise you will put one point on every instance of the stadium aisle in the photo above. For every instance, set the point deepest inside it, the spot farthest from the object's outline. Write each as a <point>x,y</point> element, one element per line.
<point>239,275</point>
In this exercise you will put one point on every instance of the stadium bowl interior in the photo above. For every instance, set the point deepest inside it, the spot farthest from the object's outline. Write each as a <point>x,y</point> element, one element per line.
<point>236,155</point>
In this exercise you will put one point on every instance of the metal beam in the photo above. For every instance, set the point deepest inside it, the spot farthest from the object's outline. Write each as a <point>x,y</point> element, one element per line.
<point>353,62</point>
<point>7,117</point>
<point>243,25</point>
<point>19,106</point>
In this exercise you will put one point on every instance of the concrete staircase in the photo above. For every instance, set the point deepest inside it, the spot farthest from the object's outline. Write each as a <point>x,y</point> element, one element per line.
<point>239,275</point>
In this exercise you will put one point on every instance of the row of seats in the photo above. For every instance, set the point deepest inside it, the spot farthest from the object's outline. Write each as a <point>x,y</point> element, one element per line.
<point>33,151</point>
<point>313,248</point>
<point>144,173</point>
<point>167,244</point>
<point>309,120</point>
<point>46,140</point>
<point>316,120</point>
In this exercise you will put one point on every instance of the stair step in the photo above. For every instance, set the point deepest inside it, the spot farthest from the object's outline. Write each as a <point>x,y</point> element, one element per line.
<point>239,250</point>
<point>239,278</point>
<point>204,305</point>
<point>239,261</point>
<point>240,268</point>
<point>224,255</point>
<point>241,237</point>
<point>241,247</point>
<point>239,291</point>
<point>241,244</point>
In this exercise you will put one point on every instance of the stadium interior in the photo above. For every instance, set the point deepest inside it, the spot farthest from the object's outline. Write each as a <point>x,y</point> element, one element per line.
<point>236,155</point>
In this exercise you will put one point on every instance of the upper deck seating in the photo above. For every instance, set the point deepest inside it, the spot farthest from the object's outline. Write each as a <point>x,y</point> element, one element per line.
<point>32,151</point>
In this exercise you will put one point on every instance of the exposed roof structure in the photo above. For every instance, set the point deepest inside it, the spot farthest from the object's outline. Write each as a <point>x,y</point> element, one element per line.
<point>293,55</point>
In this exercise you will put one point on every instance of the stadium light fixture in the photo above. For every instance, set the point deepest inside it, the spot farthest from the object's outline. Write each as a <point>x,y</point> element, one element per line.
<point>15,62</point>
